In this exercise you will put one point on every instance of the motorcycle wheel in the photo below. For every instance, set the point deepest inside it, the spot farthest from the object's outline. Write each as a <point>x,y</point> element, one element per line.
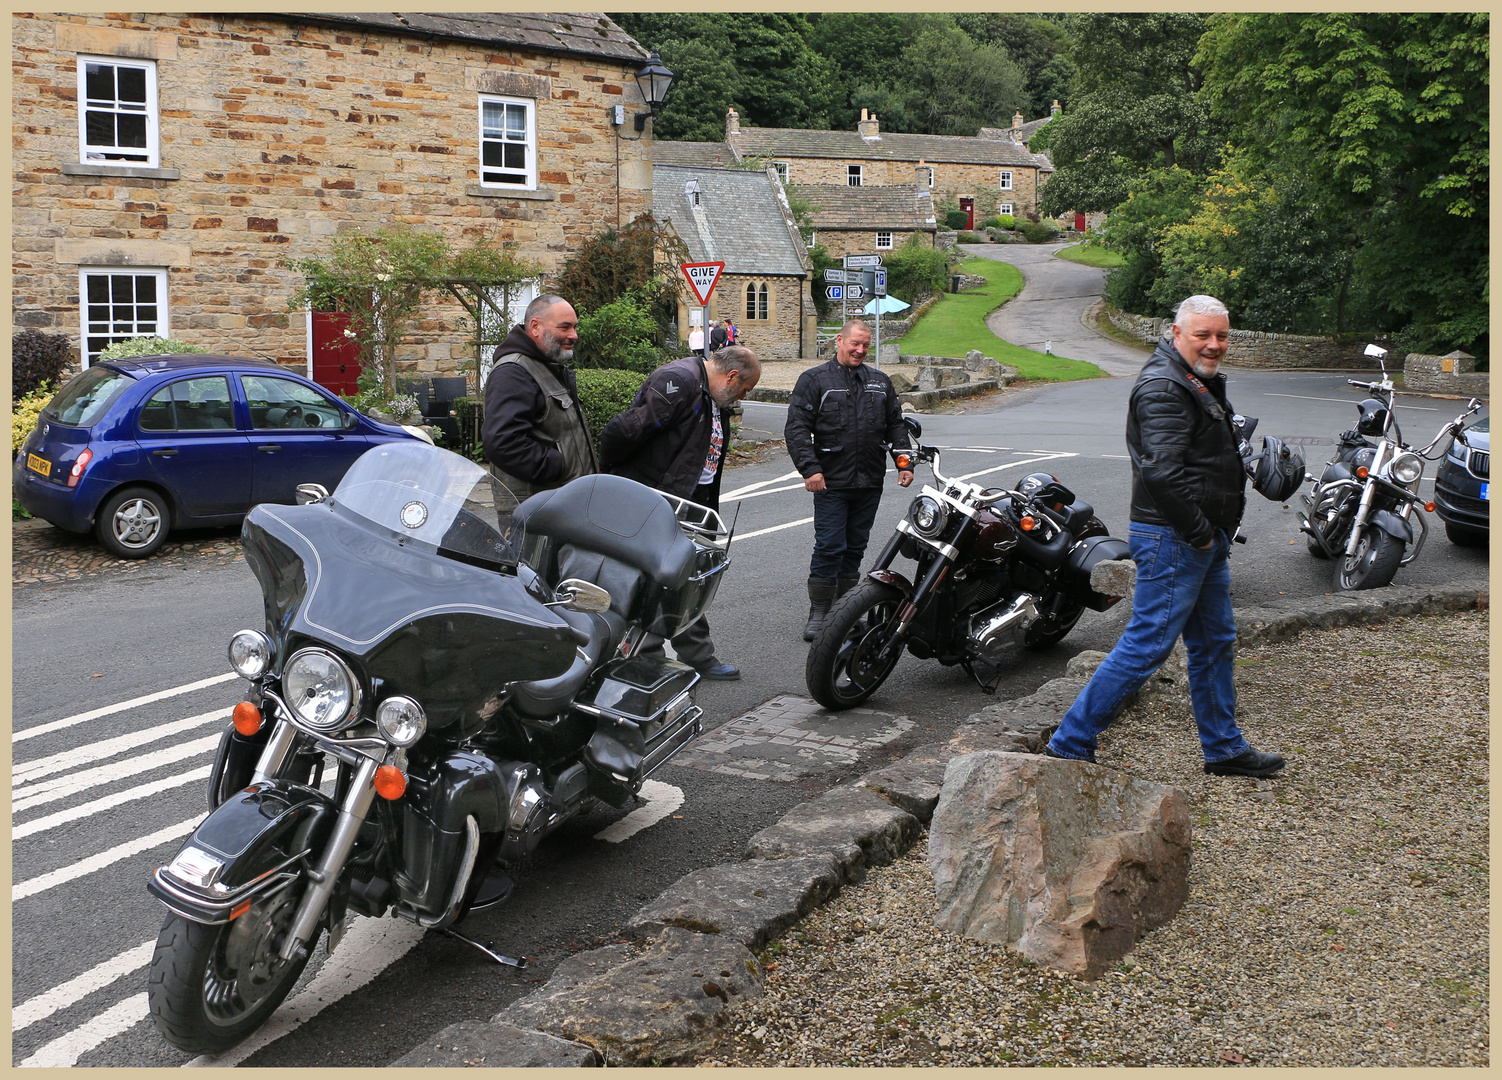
<point>843,669</point>
<point>1374,565</point>
<point>211,986</point>
<point>1048,632</point>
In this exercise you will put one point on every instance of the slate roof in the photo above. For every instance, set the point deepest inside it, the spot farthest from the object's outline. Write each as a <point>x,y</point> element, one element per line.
<point>693,154</point>
<point>893,146</point>
<point>741,219</point>
<point>582,33</point>
<point>1022,134</point>
<point>866,208</point>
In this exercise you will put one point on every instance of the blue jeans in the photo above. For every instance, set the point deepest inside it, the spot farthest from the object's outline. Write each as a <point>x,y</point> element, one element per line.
<point>842,527</point>
<point>1180,589</point>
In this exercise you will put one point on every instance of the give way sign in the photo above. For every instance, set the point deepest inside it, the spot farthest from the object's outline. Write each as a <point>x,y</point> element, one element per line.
<point>702,278</point>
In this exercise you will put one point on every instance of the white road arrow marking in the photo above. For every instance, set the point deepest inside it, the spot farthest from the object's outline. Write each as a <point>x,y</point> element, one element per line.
<point>662,800</point>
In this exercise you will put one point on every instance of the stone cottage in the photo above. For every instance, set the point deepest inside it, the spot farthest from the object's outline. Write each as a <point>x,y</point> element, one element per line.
<point>166,166</point>
<point>870,220</point>
<point>741,217</point>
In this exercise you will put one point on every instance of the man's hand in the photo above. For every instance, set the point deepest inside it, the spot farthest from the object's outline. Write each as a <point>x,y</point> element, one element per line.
<point>904,477</point>
<point>814,482</point>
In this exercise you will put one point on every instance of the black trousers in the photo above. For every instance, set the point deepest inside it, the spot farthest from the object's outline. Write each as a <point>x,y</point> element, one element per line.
<point>693,644</point>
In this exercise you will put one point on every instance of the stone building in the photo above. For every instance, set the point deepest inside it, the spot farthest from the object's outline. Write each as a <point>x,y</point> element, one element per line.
<point>166,167</point>
<point>741,217</point>
<point>869,220</point>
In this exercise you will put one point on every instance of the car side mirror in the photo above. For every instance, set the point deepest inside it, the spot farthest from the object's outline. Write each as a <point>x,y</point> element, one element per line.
<point>348,420</point>
<point>311,493</point>
<point>576,594</point>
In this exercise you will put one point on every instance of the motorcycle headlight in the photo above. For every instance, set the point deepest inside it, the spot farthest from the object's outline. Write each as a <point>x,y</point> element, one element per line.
<point>401,721</point>
<point>927,515</point>
<point>320,689</point>
<point>1407,468</point>
<point>249,653</point>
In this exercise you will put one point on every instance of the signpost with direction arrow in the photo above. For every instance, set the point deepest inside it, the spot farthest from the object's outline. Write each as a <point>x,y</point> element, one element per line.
<point>862,276</point>
<point>702,278</point>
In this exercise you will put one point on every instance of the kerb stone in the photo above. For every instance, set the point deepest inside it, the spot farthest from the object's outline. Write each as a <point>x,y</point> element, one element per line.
<point>477,1044</point>
<point>749,902</point>
<point>855,827</point>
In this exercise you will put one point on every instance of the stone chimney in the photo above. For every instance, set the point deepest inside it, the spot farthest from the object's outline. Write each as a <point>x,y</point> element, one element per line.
<point>1016,119</point>
<point>1056,109</point>
<point>868,127</point>
<point>921,172</point>
<point>732,123</point>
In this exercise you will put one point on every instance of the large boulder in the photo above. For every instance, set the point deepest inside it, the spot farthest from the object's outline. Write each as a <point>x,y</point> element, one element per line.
<point>1064,861</point>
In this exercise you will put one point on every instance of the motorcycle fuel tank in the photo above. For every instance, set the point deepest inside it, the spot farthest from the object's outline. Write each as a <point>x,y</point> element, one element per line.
<point>994,535</point>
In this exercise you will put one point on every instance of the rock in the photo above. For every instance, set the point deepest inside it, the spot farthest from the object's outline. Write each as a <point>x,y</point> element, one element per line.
<point>1066,862</point>
<point>1114,577</point>
<point>901,382</point>
<point>748,902</point>
<point>1082,665</point>
<point>912,782</point>
<point>477,1044</point>
<point>854,826</point>
<point>662,1005</point>
<point>937,378</point>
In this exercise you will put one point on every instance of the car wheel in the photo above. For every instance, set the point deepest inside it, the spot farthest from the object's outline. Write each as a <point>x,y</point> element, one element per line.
<point>1465,535</point>
<point>133,522</point>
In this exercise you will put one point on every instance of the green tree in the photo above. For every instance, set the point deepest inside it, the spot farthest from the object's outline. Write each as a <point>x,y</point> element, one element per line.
<point>1136,230</point>
<point>1038,46</point>
<point>956,87</point>
<point>640,259</point>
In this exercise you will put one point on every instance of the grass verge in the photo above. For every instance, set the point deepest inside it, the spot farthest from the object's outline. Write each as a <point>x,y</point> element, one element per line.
<point>1088,254</point>
<point>957,324</point>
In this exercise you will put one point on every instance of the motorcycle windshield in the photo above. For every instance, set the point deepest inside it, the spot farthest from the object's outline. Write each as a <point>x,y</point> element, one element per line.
<point>437,499</point>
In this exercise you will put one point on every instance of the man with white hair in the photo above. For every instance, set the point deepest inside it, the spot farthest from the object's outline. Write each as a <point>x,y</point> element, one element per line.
<point>1188,495</point>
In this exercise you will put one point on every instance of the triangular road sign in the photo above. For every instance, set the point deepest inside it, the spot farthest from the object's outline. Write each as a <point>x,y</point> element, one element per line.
<point>702,278</point>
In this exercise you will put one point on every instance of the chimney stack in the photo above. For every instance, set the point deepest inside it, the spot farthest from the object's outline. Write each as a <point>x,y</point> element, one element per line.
<point>1017,120</point>
<point>868,127</point>
<point>1056,109</point>
<point>921,173</point>
<point>732,122</point>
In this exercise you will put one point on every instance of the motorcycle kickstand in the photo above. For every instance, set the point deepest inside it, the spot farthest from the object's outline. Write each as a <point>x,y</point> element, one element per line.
<point>985,688</point>
<point>509,961</point>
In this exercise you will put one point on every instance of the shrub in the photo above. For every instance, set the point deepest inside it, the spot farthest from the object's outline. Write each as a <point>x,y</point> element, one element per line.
<point>24,415</point>
<point>36,359</point>
<point>968,238</point>
<point>147,346</point>
<point>1006,221</point>
<point>1039,232</point>
<point>956,219</point>
<point>604,392</point>
<point>992,222</point>
<point>915,271</point>
<point>621,335</point>
<point>1000,236</point>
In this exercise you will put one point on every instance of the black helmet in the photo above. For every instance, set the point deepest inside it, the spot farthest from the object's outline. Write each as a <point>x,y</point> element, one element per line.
<point>1373,417</point>
<point>1278,471</point>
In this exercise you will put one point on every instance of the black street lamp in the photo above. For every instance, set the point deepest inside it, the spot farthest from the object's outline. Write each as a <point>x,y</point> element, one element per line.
<point>654,80</point>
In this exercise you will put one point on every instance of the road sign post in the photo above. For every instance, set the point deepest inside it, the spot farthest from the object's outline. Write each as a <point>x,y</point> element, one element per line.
<point>702,278</point>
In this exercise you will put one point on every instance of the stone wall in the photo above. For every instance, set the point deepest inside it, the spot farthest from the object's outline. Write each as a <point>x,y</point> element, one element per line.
<point>950,179</point>
<point>1257,349</point>
<point>1453,373</point>
<point>275,135</point>
<point>842,242</point>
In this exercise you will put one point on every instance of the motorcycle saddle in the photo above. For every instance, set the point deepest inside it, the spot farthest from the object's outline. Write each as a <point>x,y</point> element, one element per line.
<point>549,697</point>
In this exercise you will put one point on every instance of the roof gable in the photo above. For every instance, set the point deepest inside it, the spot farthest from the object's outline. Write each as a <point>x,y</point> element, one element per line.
<point>742,219</point>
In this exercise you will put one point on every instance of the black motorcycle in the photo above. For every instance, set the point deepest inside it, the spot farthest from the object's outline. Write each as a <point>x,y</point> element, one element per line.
<point>995,569</point>
<point>468,670</point>
<point>1360,510</point>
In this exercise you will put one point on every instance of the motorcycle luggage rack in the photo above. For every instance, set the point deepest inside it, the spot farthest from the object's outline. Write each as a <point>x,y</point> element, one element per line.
<point>705,524</point>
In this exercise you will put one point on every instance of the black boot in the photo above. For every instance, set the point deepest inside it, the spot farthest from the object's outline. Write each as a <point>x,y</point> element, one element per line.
<point>844,583</point>
<point>820,596</point>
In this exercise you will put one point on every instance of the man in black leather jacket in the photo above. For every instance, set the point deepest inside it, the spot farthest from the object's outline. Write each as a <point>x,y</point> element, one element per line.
<point>843,418</point>
<point>673,438</point>
<point>1188,494</point>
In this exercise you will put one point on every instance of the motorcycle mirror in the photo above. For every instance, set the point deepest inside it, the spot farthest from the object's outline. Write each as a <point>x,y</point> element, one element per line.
<point>1376,350</point>
<point>913,426</point>
<point>311,493</point>
<point>576,594</point>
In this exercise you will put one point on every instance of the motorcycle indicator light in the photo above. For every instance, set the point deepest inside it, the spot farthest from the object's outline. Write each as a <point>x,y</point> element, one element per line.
<point>79,466</point>
<point>1028,523</point>
<point>390,783</point>
<point>1429,506</point>
<point>401,721</point>
<point>247,718</point>
<point>1363,472</point>
<point>904,462</point>
<point>249,653</point>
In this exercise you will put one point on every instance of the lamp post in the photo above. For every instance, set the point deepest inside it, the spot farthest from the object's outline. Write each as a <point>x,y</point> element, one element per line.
<point>654,79</point>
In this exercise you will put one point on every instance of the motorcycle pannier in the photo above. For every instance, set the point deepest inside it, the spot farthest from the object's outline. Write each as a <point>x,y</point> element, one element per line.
<point>1083,557</point>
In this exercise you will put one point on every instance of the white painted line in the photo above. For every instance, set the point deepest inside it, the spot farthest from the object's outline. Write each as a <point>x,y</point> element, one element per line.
<point>62,786</point>
<point>1118,457</point>
<point>759,484</point>
<point>109,802</point>
<point>1014,464</point>
<point>662,800</point>
<point>106,710</point>
<point>84,867</point>
<point>369,947</point>
<point>767,404</point>
<point>767,491</point>
<point>64,1052</point>
<point>775,528</point>
<point>1349,401</point>
<point>79,987</point>
<point>28,771</point>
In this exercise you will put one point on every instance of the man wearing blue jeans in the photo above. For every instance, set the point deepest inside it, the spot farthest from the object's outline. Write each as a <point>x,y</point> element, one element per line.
<point>1188,494</point>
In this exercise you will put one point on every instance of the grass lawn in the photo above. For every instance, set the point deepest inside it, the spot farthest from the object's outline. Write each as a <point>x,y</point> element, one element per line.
<point>1091,255</point>
<point>957,324</point>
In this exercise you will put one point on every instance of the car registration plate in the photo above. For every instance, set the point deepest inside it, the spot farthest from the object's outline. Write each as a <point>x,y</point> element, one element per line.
<point>43,466</point>
<point>1485,492</point>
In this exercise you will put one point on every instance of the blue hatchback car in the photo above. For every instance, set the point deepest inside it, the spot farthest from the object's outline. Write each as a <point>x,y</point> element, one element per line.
<point>132,449</point>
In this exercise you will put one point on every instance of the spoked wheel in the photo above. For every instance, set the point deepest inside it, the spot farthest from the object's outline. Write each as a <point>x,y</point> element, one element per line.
<point>1055,619</point>
<point>211,986</point>
<point>845,665</point>
<point>1374,564</point>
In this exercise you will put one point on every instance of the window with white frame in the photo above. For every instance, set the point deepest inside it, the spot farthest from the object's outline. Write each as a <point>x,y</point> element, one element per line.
<point>756,302</point>
<point>118,122</point>
<point>883,239</point>
<point>118,304</point>
<point>782,170</point>
<point>508,142</point>
<point>1006,180</point>
<point>853,175</point>
<point>1004,208</point>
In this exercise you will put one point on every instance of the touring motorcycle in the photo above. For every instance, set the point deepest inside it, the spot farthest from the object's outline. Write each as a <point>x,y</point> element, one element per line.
<point>996,568</point>
<point>1360,510</point>
<point>470,670</point>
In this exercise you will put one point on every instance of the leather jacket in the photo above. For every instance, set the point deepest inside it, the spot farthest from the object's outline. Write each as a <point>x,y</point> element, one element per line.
<point>1187,472</point>
<point>841,422</point>
<point>663,439</point>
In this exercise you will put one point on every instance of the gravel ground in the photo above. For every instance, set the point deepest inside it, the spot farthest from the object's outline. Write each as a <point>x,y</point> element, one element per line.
<point>1338,915</point>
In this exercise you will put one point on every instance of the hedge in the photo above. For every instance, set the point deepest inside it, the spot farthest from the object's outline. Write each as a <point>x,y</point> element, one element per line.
<point>36,359</point>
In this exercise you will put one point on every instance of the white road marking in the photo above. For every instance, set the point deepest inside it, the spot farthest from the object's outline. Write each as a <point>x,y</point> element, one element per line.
<point>662,800</point>
<point>759,484</point>
<point>109,802</point>
<point>1348,401</point>
<point>79,987</point>
<point>766,491</point>
<point>84,867</point>
<point>775,528</point>
<point>106,710</point>
<point>369,947</point>
<point>61,787</point>
<point>767,404</point>
<point>64,1051</point>
<point>1118,457</point>
<point>1013,464</point>
<point>28,771</point>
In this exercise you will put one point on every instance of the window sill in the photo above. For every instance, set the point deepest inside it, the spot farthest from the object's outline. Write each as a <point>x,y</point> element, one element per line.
<point>539,195</point>
<point>129,172</point>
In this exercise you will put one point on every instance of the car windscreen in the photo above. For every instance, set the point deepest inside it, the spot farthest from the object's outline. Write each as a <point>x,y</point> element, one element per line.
<point>85,398</point>
<point>437,498</point>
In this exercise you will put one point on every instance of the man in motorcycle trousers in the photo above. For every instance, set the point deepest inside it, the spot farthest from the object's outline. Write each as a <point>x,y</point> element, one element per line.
<point>1188,495</point>
<point>534,432</point>
<point>843,417</point>
<point>673,438</point>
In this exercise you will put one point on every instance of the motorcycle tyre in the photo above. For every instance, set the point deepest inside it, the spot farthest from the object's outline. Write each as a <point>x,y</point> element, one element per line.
<point>1039,638</point>
<point>828,657</point>
<point>1376,562</point>
<point>175,988</point>
<point>1314,548</point>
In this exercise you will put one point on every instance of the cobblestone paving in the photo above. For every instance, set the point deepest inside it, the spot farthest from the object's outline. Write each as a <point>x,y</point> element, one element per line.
<point>42,554</point>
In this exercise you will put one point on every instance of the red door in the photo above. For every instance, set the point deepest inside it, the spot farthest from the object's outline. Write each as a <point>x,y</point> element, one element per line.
<point>968,206</point>
<point>334,355</point>
<point>1079,222</point>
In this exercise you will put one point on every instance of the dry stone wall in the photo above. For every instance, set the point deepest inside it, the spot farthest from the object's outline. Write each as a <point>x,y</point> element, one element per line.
<point>1258,349</point>
<point>1453,373</point>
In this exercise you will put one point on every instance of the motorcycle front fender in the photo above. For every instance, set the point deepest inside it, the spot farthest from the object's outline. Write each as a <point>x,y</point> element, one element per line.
<point>1393,525</point>
<point>257,837</point>
<point>894,579</point>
